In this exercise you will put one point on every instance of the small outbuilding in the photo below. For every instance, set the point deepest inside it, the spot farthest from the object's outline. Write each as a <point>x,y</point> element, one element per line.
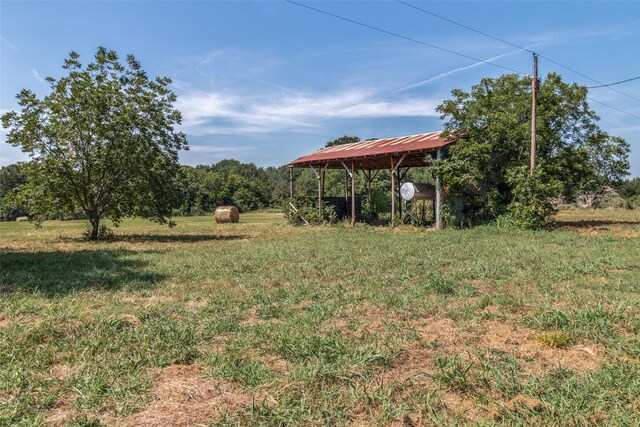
<point>394,154</point>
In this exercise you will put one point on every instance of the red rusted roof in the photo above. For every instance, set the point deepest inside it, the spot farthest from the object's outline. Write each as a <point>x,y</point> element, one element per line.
<point>376,154</point>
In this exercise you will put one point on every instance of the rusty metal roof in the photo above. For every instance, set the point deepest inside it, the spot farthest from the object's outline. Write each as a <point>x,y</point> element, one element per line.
<point>377,154</point>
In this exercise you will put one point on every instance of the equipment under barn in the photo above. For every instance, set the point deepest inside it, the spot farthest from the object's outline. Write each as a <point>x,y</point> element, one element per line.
<point>394,154</point>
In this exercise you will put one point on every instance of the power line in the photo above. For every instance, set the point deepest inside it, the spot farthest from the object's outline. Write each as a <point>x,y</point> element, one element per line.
<point>616,83</point>
<point>614,108</point>
<point>463,26</point>
<point>353,21</point>
<point>589,78</point>
<point>519,47</point>
<point>403,37</point>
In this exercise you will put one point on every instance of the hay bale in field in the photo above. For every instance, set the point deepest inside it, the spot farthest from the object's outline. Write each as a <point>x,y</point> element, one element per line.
<point>22,218</point>
<point>225,214</point>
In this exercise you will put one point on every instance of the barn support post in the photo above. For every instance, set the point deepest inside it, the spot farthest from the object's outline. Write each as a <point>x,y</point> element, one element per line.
<point>401,177</point>
<point>398,184</point>
<point>346,186</point>
<point>353,193</point>
<point>291,182</point>
<point>393,193</point>
<point>322,173</point>
<point>319,176</point>
<point>370,177</point>
<point>438,196</point>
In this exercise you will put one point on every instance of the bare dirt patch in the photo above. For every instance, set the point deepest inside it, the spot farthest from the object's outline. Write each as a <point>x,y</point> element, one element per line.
<point>182,396</point>
<point>5,322</point>
<point>63,411</point>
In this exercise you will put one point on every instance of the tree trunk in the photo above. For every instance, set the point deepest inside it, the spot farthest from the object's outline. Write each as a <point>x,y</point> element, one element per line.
<point>95,227</point>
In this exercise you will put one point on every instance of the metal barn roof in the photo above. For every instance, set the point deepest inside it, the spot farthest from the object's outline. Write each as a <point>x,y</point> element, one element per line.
<point>376,154</point>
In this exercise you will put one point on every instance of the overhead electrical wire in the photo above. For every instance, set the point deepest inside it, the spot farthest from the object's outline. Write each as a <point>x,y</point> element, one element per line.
<point>526,49</point>
<point>615,83</point>
<point>614,108</point>
<point>464,26</point>
<point>372,27</point>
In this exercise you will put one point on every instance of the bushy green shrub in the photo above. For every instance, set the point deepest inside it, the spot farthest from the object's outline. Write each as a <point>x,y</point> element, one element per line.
<point>531,206</point>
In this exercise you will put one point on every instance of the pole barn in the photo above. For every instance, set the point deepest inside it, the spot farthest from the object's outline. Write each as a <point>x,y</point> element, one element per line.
<point>395,154</point>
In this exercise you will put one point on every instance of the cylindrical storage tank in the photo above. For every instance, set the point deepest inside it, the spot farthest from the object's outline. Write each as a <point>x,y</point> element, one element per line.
<point>225,214</point>
<point>417,191</point>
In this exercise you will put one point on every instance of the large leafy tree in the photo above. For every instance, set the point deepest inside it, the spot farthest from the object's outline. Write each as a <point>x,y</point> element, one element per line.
<point>103,142</point>
<point>493,125</point>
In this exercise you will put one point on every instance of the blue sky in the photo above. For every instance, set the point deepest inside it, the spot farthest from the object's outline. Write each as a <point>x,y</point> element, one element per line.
<point>269,81</point>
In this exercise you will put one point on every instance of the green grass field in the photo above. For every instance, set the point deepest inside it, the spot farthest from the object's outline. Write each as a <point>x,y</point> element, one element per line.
<point>261,323</point>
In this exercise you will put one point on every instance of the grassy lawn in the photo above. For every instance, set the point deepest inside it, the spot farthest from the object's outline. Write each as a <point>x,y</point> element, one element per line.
<point>260,323</point>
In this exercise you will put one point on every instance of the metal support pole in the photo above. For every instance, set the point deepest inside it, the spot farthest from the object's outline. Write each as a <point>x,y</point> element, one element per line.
<point>393,193</point>
<point>353,194</point>
<point>438,196</point>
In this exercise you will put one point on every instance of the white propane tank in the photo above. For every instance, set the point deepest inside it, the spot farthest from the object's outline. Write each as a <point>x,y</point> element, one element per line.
<point>417,191</point>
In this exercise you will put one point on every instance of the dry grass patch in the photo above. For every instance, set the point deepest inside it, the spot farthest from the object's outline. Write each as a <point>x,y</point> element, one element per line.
<point>182,396</point>
<point>148,301</point>
<point>63,412</point>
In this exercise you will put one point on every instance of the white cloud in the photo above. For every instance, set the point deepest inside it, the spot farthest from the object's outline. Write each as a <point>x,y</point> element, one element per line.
<point>230,113</point>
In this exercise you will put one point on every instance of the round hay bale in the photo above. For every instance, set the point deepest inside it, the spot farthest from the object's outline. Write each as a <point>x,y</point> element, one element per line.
<point>22,218</point>
<point>225,214</point>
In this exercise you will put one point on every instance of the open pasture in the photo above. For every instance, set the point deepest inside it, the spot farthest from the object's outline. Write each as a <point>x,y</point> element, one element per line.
<point>261,323</point>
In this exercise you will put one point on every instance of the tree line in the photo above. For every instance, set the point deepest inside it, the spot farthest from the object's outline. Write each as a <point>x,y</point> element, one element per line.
<point>104,143</point>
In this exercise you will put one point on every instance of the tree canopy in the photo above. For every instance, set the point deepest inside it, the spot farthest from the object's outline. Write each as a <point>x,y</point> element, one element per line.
<point>345,139</point>
<point>493,125</point>
<point>102,142</point>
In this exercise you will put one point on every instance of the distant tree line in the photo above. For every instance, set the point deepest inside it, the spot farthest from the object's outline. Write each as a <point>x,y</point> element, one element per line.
<point>104,145</point>
<point>201,189</point>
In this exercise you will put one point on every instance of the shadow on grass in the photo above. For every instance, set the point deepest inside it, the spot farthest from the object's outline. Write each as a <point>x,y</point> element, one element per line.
<point>60,273</point>
<point>177,238</point>
<point>593,223</point>
<point>163,238</point>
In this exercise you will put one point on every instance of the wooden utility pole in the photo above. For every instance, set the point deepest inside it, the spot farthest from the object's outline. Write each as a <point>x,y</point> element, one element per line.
<point>534,100</point>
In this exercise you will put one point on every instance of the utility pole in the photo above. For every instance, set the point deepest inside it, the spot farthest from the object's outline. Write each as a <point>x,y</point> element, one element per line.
<point>534,100</point>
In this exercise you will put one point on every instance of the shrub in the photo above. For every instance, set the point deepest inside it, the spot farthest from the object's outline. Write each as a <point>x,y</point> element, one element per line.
<point>531,206</point>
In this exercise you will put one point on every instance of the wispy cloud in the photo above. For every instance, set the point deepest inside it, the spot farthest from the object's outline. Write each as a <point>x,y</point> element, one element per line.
<point>36,75</point>
<point>272,111</point>
<point>9,44</point>
<point>457,70</point>
<point>218,150</point>
<point>580,35</point>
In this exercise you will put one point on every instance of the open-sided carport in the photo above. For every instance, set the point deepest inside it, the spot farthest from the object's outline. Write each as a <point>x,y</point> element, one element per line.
<point>393,154</point>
